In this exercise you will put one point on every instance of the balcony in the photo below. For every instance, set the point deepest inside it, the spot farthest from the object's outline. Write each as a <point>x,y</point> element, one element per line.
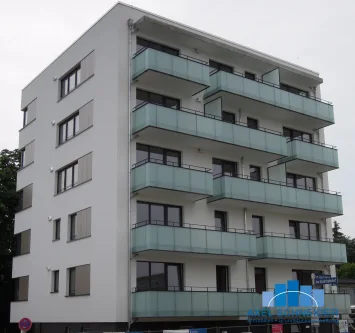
<point>159,71</point>
<point>275,196</point>
<point>281,246</point>
<point>283,105</point>
<point>303,156</point>
<point>153,236</point>
<point>194,303</point>
<point>198,130</point>
<point>152,178</point>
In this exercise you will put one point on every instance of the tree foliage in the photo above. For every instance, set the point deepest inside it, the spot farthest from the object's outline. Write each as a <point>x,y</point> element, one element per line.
<point>345,270</point>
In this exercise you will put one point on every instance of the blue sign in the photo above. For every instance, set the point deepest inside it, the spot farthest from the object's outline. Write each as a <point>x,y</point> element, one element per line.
<point>325,279</point>
<point>198,330</point>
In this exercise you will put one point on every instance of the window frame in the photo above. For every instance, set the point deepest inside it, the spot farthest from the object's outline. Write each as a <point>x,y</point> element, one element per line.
<point>223,164</point>
<point>165,152</point>
<point>63,172</point>
<point>22,157</point>
<point>224,220</point>
<point>151,101</point>
<point>72,226</point>
<point>16,293</point>
<point>254,121</point>
<point>65,122</point>
<point>294,90</point>
<point>263,269</point>
<point>55,282</point>
<point>261,225</point>
<point>25,117</point>
<point>215,65</point>
<point>295,177</point>
<point>165,208</point>
<point>231,114</point>
<point>296,226</point>
<point>71,288</point>
<point>56,229</point>
<point>65,81</point>
<point>156,46</point>
<point>166,264</point>
<point>221,287</point>
<point>292,137</point>
<point>259,171</point>
<point>250,75</point>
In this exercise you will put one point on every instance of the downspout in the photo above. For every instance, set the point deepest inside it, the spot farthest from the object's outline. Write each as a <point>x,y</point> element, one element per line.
<point>246,260</point>
<point>129,305</point>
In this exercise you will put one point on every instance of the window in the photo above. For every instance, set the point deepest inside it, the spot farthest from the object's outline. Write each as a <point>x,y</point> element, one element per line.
<point>25,197</point>
<point>149,97</point>
<point>228,117</point>
<point>291,134</point>
<point>22,157</point>
<point>252,123</point>
<point>67,177</point>
<point>79,280</point>
<point>224,168</point>
<point>55,282</point>
<point>56,229</point>
<point>304,230</point>
<point>258,225</point>
<point>220,220</point>
<point>250,76</point>
<point>70,81</point>
<point>302,182</point>
<point>293,90</point>
<point>255,173</point>
<point>23,242</point>
<point>222,278</point>
<point>305,277</point>
<point>160,214</point>
<point>143,43</point>
<point>25,116</point>
<point>159,276</point>
<point>72,226</point>
<point>221,67</point>
<point>69,128</point>
<point>146,153</point>
<point>21,289</point>
<point>260,279</point>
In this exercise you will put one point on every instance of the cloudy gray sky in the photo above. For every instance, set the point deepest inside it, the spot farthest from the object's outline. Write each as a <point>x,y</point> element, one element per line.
<point>317,34</point>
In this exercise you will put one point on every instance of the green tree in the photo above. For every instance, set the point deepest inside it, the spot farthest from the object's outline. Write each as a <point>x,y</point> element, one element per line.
<point>347,271</point>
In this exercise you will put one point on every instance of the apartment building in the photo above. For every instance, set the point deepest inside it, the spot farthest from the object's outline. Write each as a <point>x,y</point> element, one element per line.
<point>168,177</point>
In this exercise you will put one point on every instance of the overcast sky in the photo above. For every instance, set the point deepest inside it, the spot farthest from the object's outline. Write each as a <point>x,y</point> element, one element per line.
<point>317,34</point>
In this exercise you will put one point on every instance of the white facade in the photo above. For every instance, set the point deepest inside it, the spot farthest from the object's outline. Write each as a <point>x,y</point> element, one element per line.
<point>113,209</point>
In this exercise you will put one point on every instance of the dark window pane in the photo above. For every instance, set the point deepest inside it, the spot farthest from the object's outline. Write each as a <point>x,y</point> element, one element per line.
<point>287,133</point>
<point>73,227</point>
<point>306,137</point>
<point>310,183</point>
<point>252,123</point>
<point>173,158</point>
<point>301,182</point>
<point>296,135</point>
<point>156,155</point>
<point>260,279</point>
<point>142,275</point>
<point>255,173</point>
<point>216,65</point>
<point>142,153</point>
<point>304,234</point>
<point>217,167</point>
<point>141,96</point>
<point>290,179</point>
<point>156,99</point>
<point>174,277</point>
<point>292,229</point>
<point>258,227</point>
<point>157,276</point>
<point>63,133</point>
<point>222,277</point>
<point>220,219</point>
<point>72,281</point>
<point>314,231</point>
<point>250,76</point>
<point>157,214</point>
<point>174,216</point>
<point>230,169</point>
<point>172,103</point>
<point>142,213</point>
<point>229,117</point>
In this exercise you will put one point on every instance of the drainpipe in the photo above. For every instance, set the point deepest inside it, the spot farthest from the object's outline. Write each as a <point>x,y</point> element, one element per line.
<point>242,164</point>
<point>129,305</point>
<point>246,260</point>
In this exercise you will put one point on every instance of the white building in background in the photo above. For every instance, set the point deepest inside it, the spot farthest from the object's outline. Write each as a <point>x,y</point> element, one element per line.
<point>168,177</point>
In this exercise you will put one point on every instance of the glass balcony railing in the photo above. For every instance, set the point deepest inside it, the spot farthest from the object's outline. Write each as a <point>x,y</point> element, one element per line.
<point>152,173</point>
<point>182,67</point>
<point>194,302</point>
<point>276,193</point>
<point>192,238</point>
<point>207,126</point>
<point>282,246</point>
<point>207,302</point>
<point>270,93</point>
<point>318,153</point>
